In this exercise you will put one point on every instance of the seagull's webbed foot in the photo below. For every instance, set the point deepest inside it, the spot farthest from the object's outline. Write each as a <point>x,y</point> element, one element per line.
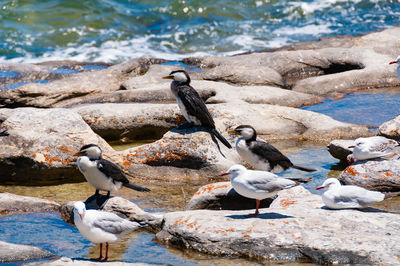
<point>252,215</point>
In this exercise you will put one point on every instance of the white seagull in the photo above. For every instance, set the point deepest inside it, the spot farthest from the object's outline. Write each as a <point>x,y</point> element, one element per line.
<point>101,227</point>
<point>339,196</point>
<point>261,155</point>
<point>372,147</point>
<point>397,61</point>
<point>256,184</point>
<point>101,173</point>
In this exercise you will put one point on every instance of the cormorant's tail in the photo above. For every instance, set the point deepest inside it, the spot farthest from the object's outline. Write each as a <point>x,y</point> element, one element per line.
<point>303,168</point>
<point>220,137</point>
<point>136,187</point>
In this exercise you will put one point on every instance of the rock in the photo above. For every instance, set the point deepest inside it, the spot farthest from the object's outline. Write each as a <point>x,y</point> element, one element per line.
<point>390,129</point>
<point>14,253</point>
<point>15,203</point>
<point>295,227</point>
<point>339,149</point>
<point>377,174</point>
<point>82,262</point>
<point>123,207</point>
<point>74,87</point>
<point>40,144</point>
<point>221,196</point>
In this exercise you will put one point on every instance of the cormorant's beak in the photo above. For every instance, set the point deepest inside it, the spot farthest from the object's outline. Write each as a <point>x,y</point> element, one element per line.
<point>232,131</point>
<point>168,77</point>
<point>393,62</point>
<point>79,153</point>
<point>318,188</point>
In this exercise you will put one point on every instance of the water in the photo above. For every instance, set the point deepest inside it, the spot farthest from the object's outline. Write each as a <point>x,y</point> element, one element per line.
<point>117,30</point>
<point>370,108</point>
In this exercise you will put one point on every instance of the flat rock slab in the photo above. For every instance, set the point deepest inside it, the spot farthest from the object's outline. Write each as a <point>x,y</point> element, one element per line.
<point>10,203</point>
<point>377,174</point>
<point>14,253</point>
<point>64,261</point>
<point>295,227</point>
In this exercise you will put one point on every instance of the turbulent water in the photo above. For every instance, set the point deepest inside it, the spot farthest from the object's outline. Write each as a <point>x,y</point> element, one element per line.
<point>117,30</point>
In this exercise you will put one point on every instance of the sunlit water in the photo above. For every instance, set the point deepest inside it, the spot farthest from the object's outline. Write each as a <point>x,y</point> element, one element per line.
<point>117,30</point>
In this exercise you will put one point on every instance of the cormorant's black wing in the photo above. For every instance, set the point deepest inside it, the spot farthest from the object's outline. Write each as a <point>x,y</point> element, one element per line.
<point>270,153</point>
<point>195,106</point>
<point>111,170</point>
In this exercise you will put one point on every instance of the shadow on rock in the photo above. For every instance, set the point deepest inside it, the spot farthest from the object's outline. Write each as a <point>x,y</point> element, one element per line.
<point>268,215</point>
<point>96,201</point>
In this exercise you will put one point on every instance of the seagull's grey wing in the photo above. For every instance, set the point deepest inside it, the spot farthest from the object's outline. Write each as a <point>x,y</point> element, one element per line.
<point>111,170</point>
<point>195,106</point>
<point>274,185</point>
<point>270,153</point>
<point>354,196</point>
<point>115,225</point>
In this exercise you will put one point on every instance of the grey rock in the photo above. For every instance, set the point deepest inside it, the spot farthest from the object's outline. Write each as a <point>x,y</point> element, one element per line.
<point>294,227</point>
<point>339,149</point>
<point>10,203</point>
<point>40,144</point>
<point>221,196</point>
<point>390,129</point>
<point>16,253</point>
<point>377,174</point>
<point>73,88</point>
<point>120,206</point>
<point>64,261</point>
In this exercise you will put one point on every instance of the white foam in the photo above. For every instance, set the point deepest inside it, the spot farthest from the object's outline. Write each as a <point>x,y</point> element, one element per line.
<point>312,29</point>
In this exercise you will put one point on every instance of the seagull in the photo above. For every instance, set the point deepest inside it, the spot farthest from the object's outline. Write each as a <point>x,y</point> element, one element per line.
<point>101,227</point>
<point>257,184</point>
<point>337,196</point>
<point>397,61</point>
<point>261,155</point>
<point>101,173</point>
<point>191,105</point>
<point>372,147</point>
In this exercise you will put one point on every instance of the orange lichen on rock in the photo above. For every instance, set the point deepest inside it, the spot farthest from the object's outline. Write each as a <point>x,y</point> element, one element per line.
<point>351,171</point>
<point>208,188</point>
<point>286,202</point>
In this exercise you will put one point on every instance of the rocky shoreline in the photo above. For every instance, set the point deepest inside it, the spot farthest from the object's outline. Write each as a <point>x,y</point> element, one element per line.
<point>46,117</point>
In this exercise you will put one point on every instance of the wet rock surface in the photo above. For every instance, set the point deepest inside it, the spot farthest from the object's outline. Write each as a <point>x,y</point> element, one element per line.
<point>377,174</point>
<point>11,203</point>
<point>295,227</point>
<point>17,253</point>
<point>221,196</point>
<point>68,261</point>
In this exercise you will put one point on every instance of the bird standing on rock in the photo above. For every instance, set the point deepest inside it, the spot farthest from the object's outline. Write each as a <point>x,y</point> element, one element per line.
<point>371,148</point>
<point>101,227</point>
<point>191,105</point>
<point>101,173</point>
<point>337,196</point>
<point>256,184</point>
<point>261,155</point>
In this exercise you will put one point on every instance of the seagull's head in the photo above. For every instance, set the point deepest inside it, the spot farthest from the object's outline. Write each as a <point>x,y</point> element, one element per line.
<point>180,76</point>
<point>79,209</point>
<point>235,170</point>
<point>329,183</point>
<point>246,131</point>
<point>397,61</point>
<point>91,150</point>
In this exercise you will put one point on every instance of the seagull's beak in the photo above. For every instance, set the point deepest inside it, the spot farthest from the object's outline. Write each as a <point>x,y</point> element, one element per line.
<point>224,174</point>
<point>168,77</point>
<point>351,147</point>
<point>81,215</point>
<point>318,188</point>
<point>393,62</point>
<point>232,131</point>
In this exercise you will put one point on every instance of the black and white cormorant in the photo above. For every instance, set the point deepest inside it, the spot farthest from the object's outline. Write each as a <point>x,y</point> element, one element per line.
<point>101,173</point>
<point>191,105</point>
<point>260,154</point>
